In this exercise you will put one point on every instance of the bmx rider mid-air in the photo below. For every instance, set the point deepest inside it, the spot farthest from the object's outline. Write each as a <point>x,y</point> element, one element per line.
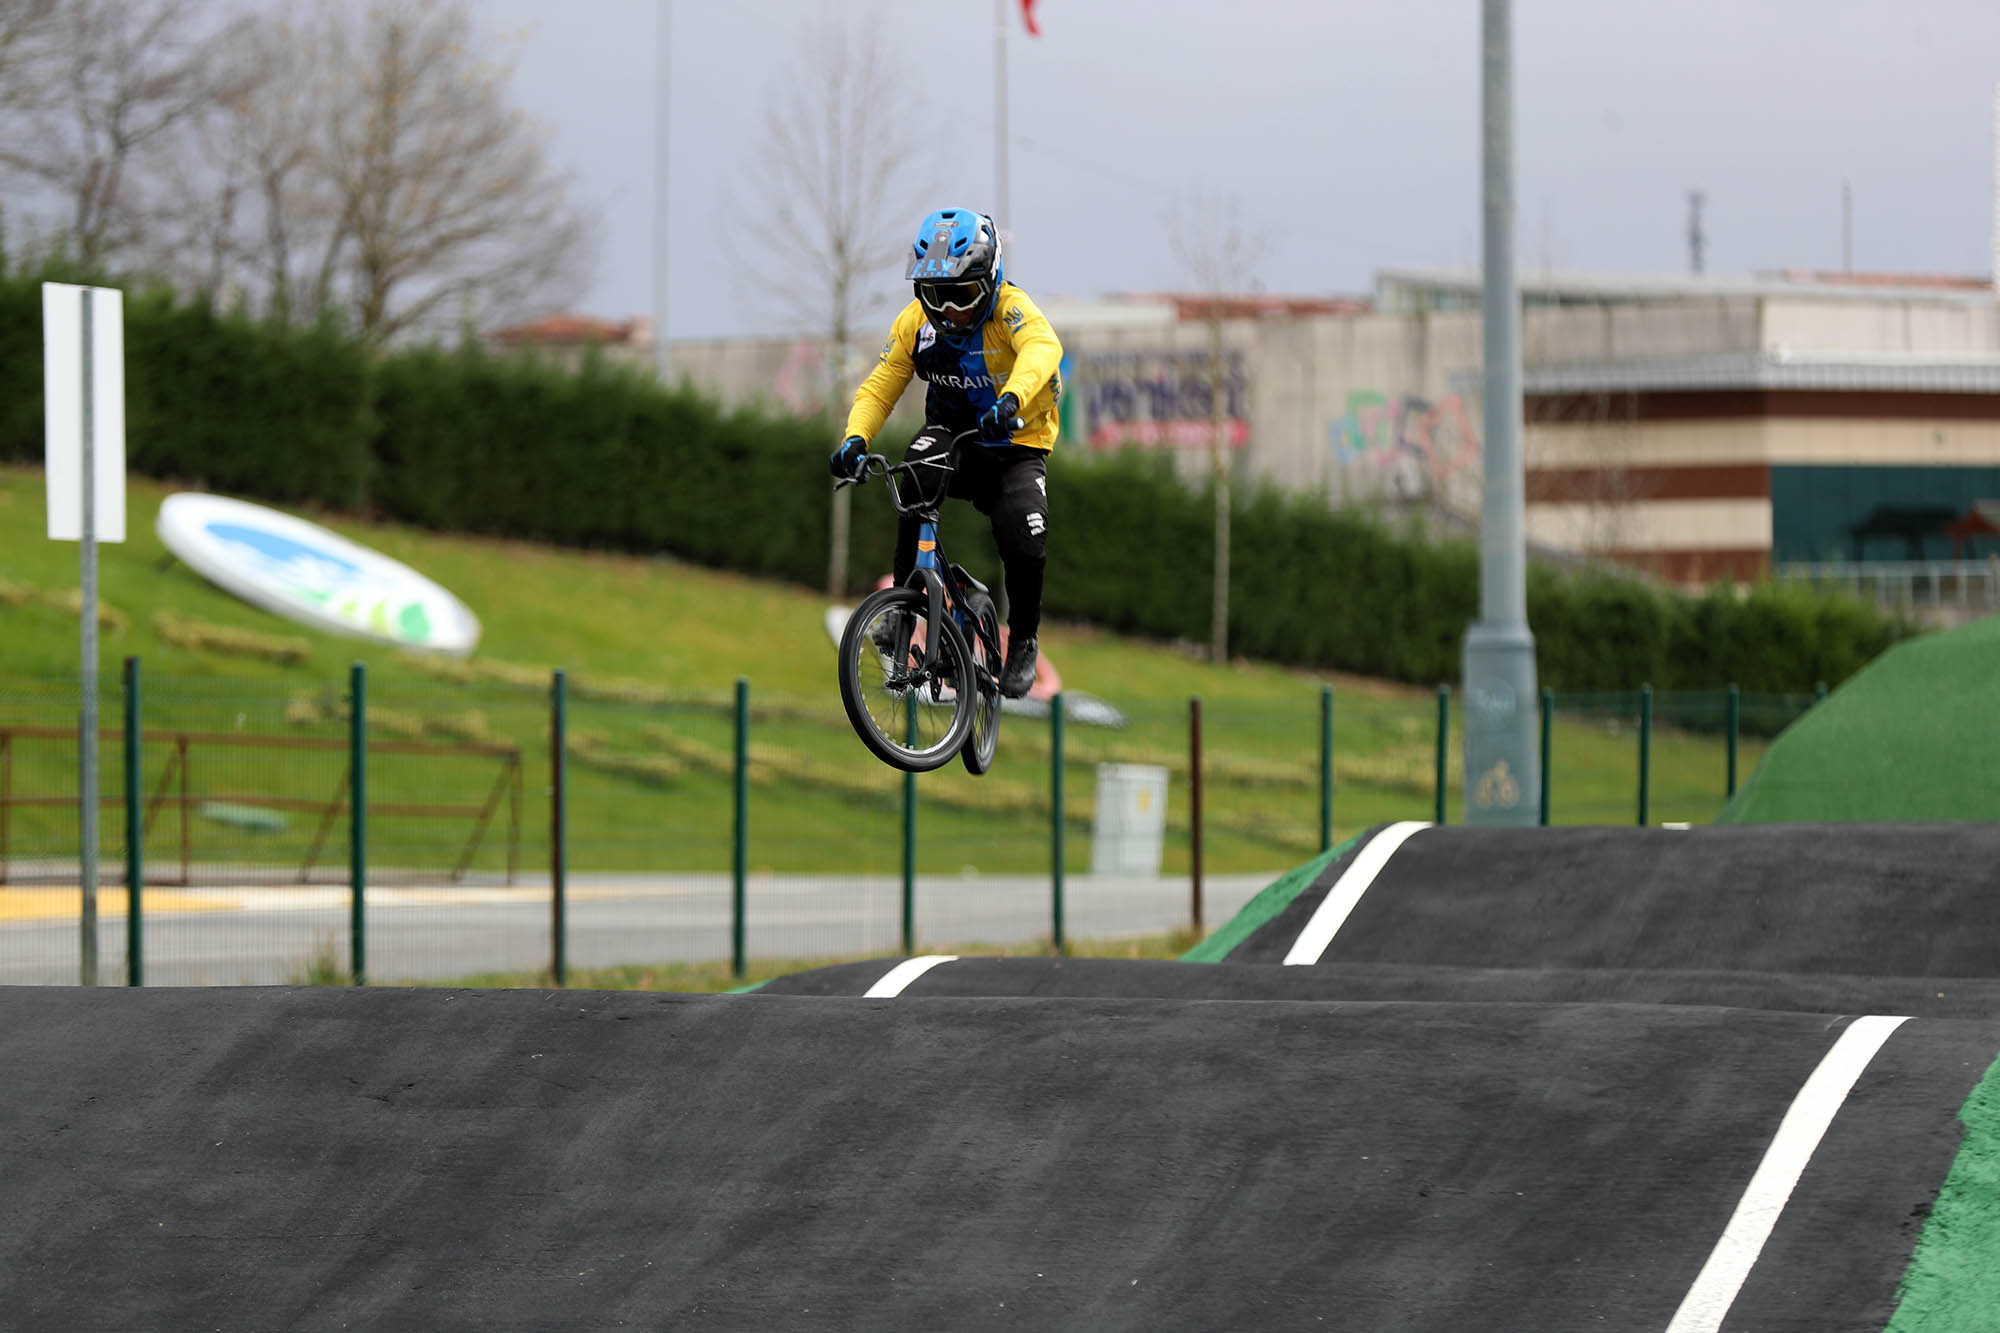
<point>990,359</point>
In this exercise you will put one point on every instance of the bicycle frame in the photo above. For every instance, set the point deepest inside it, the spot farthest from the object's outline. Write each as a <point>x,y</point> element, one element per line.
<point>945,585</point>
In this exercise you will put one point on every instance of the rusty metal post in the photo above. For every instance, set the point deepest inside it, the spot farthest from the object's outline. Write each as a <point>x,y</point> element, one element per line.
<point>559,827</point>
<point>1194,806</point>
<point>187,835</point>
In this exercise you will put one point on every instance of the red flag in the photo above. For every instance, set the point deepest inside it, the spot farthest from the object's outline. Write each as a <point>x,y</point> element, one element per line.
<point>1028,17</point>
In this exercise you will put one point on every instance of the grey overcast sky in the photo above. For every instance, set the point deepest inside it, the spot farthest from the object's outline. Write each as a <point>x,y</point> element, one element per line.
<point>1347,131</point>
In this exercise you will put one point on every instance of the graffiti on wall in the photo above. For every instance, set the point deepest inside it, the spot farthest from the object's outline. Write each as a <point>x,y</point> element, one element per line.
<point>1157,397</point>
<point>1420,445</point>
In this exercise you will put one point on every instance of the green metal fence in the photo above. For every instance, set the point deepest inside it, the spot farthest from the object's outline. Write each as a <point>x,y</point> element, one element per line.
<point>395,829</point>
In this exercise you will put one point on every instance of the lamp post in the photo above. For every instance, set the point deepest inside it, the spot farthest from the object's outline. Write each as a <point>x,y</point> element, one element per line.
<point>1502,785</point>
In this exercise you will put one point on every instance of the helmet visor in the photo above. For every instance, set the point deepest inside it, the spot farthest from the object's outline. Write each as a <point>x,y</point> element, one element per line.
<point>955,303</point>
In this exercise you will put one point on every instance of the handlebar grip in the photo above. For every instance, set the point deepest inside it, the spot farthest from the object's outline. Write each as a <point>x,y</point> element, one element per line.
<point>870,464</point>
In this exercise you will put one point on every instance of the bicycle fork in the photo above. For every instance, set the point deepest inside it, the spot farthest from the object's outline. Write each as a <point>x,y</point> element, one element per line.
<point>928,575</point>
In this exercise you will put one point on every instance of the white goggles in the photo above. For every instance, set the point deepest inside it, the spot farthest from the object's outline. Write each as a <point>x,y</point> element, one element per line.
<point>956,297</point>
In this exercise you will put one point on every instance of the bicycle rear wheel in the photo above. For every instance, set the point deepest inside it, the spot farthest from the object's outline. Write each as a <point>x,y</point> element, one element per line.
<point>882,670</point>
<point>984,736</point>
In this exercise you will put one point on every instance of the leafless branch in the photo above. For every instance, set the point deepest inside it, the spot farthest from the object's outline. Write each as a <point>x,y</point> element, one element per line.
<point>26,29</point>
<point>310,158</point>
<point>1222,254</point>
<point>816,224</point>
<point>90,87</point>
<point>449,208</point>
<point>1221,251</point>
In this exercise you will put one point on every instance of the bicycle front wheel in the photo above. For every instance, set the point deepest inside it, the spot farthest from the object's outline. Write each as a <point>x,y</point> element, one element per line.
<point>911,717</point>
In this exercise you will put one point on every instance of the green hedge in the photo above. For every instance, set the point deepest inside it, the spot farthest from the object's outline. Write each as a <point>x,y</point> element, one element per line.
<point>216,400</point>
<point>604,457</point>
<point>1131,549</point>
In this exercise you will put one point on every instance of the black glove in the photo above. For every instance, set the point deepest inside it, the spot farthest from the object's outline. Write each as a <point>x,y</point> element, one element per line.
<point>849,459</point>
<point>1001,420</point>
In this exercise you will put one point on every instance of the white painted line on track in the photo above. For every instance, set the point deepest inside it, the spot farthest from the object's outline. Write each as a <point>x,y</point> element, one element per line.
<point>1714,1290</point>
<point>1347,891</point>
<point>902,974</point>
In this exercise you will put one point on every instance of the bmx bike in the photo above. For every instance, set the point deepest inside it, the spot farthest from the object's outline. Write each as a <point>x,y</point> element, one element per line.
<point>920,662</point>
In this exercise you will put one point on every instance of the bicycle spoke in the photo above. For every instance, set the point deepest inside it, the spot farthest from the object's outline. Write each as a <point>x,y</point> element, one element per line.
<point>886,684</point>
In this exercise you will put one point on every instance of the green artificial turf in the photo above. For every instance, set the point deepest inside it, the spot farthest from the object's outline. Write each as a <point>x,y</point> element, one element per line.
<point>1908,738</point>
<point>1953,1282</point>
<point>1274,898</point>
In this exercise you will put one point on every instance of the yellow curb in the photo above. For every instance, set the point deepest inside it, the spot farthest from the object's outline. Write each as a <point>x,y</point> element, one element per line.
<point>43,904</point>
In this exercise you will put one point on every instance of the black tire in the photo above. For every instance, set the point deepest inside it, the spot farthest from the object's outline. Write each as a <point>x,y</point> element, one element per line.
<point>983,738</point>
<point>879,709</point>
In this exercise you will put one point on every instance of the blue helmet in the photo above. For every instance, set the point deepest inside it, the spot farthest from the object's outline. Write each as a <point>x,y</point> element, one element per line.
<point>957,266</point>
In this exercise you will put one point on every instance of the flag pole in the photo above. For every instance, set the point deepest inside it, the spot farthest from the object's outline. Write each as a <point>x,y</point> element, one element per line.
<point>663,49</point>
<point>1000,114</point>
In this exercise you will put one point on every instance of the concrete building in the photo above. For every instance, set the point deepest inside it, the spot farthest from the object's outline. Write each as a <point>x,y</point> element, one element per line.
<point>1707,428</point>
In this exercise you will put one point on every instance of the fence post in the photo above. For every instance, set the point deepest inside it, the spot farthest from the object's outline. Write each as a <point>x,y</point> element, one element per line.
<point>1548,746</point>
<point>739,858</point>
<point>910,833</point>
<point>1194,807</point>
<point>357,823</point>
<point>1735,722</point>
<point>1819,692</point>
<point>1645,750</point>
<point>182,808</point>
<point>1056,818</point>
<point>135,841</point>
<point>1444,746</point>
<point>559,827</point>
<point>1325,767</point>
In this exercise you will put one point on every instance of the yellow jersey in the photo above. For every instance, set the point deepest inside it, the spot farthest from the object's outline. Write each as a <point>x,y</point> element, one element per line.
<point>1016,352</point>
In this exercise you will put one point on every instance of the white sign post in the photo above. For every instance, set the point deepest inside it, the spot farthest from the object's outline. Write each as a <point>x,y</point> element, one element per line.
<point>83,389</point>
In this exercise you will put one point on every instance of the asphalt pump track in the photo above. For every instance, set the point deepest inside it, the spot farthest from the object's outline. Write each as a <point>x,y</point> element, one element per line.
<point>1440,1078</point>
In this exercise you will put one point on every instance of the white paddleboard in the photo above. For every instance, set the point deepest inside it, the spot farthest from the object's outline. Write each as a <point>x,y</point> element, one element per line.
<point>305,573</point>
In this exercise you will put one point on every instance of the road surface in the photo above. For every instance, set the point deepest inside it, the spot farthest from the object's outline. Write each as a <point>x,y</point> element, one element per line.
<point>272,934</point>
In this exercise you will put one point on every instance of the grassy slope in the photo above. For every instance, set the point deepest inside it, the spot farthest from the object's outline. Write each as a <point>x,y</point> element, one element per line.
<point>1911,722</point>
<point>696,631</point>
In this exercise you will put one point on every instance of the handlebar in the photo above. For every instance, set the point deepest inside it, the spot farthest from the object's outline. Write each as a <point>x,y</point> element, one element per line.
<point>875,465</point>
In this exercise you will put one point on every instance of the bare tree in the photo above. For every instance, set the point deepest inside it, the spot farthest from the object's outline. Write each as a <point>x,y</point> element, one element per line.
<point>839,179</point>
<point>450,208</point>
<point>88,87</point>
<point>248,209</point>
<point>24,27</point>
<point>1222,254</point>
<point>368,164</point>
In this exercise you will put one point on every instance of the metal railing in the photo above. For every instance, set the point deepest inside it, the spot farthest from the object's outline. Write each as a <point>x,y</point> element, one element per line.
<point>176,789</point>
<point>1966,585</point>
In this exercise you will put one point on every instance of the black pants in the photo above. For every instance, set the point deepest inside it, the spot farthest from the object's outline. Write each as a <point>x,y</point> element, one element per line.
<point>1010,485</point>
